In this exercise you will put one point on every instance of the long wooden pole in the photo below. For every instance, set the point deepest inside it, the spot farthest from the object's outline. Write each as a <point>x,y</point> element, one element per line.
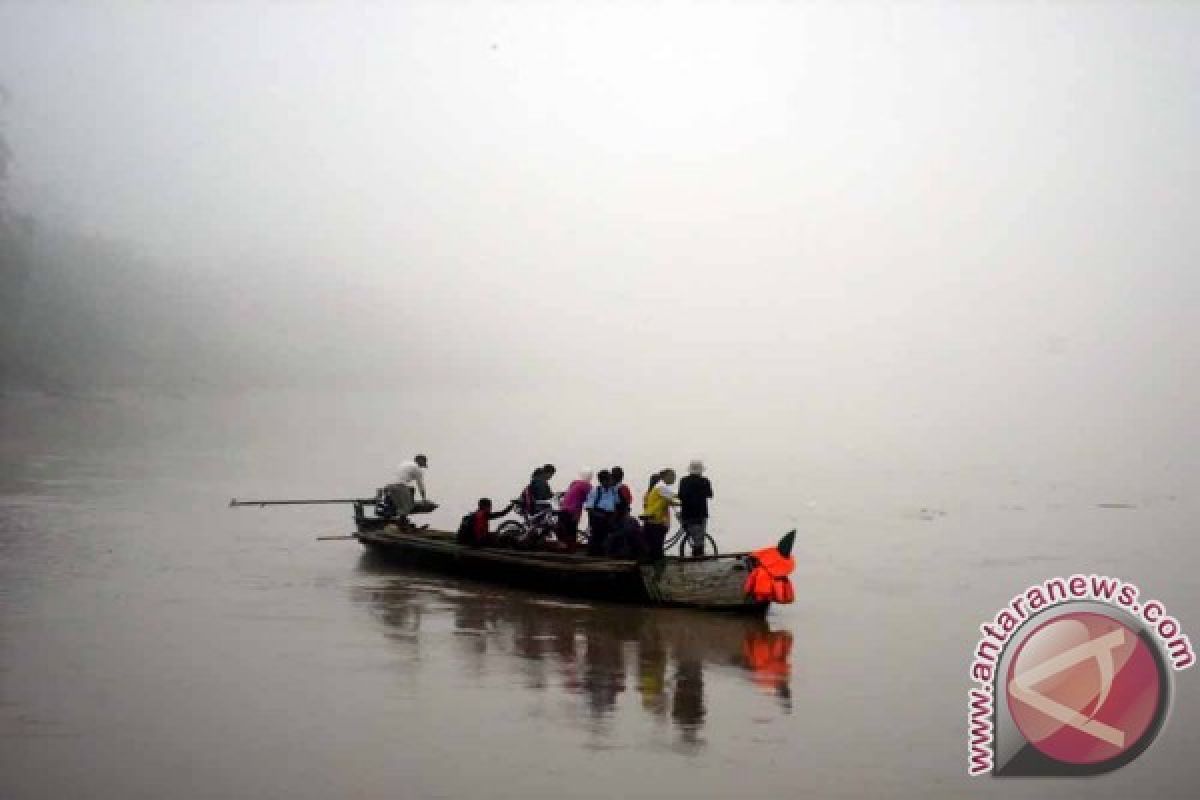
<point>235,502</point>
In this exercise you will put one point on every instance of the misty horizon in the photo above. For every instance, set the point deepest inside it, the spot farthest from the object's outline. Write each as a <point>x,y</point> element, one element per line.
<point>916,282</point>
<point>955,222</point>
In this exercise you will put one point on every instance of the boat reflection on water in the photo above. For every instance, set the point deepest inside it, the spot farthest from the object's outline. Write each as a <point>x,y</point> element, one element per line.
<point>601,655</point>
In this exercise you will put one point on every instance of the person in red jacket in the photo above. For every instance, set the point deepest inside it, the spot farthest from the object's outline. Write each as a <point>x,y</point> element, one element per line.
<point>475,530</point>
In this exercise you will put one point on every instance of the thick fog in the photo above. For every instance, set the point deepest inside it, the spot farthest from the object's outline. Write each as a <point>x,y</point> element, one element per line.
<point>954,229</point>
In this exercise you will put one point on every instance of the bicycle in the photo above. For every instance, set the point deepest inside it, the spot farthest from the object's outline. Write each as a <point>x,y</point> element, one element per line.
<point>680,538</point>
<point>530,531</point>
<point>622,545</point>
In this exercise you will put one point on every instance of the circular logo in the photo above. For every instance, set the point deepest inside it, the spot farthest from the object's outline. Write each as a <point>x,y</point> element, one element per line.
<point>1084,688</point>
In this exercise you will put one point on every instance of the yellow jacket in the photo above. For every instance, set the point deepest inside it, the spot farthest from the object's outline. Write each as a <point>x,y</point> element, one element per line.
<point>658,503</point>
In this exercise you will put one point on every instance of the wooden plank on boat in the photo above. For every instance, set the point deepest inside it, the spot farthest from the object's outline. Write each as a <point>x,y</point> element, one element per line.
<point>551,561</point>
<point>699,582</point>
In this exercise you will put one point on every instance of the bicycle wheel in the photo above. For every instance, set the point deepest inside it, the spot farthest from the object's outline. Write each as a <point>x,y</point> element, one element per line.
<point>509,533</point>
<point>671,540</point>
<point>710,548</point>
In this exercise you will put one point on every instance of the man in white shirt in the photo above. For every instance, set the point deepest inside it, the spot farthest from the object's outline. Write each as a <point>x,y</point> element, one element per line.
<point>401,491</point>
<point>413,472</point>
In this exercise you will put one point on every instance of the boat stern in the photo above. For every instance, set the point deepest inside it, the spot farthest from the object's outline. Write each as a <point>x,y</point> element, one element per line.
<point>713,583</point>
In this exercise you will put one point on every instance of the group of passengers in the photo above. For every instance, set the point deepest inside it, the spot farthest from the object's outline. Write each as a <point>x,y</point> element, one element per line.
<point>613,530</point>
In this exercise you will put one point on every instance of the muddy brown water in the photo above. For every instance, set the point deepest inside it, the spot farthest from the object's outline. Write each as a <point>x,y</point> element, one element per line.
<point>155,643</point>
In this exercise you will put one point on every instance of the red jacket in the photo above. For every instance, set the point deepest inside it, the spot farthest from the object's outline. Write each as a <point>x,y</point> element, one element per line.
<point>479,522</point>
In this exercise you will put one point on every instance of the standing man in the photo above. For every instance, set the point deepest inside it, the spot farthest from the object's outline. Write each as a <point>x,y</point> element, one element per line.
<point>694,493</point>
<point>403,499</point>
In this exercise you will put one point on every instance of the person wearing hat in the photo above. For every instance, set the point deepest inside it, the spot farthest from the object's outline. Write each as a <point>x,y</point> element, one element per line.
<point>694,493</point>
<point>400,492</point>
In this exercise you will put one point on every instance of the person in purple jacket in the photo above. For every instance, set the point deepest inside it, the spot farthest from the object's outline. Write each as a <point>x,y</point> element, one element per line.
<point>571,509</point>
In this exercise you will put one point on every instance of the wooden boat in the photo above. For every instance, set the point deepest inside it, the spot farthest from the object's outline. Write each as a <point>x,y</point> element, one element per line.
<point>715,583</point>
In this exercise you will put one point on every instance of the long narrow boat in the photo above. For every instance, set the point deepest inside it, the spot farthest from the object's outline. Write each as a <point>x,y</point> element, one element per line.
<point>715,583</point>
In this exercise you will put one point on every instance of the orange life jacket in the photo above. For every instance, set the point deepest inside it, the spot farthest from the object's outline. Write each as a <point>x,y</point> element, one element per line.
<point>766,654</point>
<point>768,581</point>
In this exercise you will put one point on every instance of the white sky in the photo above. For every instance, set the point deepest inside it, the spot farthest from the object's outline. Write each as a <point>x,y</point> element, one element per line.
<point>889,211</point>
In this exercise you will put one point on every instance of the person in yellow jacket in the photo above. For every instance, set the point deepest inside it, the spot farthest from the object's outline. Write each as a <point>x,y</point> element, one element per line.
<point>660,497</point>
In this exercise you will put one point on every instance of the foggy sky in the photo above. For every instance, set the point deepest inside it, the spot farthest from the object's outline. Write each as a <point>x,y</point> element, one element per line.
<point>965,215</point>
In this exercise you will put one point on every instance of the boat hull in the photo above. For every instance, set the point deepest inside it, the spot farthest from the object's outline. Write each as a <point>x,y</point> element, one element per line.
<point>713,583</point>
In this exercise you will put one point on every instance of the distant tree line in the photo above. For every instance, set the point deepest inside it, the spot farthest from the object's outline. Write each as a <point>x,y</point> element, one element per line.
<point>16,264</point>
<point>80,314</point>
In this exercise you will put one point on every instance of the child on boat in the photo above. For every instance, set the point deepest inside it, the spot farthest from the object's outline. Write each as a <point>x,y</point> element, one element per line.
<point>474,531</point>
<point>601,506</point>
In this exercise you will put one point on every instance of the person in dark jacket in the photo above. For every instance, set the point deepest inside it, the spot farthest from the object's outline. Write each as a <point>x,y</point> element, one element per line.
<point>625,540</point>
<point>475,531</point>
<point>694,493</point>
<point>540,495</point>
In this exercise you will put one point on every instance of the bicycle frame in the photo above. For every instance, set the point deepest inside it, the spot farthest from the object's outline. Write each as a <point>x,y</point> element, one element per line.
<point>534,527</point>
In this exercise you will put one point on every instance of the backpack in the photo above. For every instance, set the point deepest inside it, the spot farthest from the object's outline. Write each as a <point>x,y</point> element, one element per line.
<point>601,493</point>
<point>466,529</point>
<point>526,499</point>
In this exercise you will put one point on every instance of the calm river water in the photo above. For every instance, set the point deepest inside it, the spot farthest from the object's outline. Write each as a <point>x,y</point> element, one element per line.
<point>155,643</point>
